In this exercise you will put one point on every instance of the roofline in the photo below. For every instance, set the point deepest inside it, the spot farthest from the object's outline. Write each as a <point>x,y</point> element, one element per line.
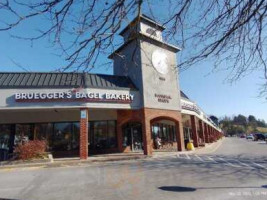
<point>83,84</point>
<point>66,87</point>
<point>144,17</point>
<point>86,73</point>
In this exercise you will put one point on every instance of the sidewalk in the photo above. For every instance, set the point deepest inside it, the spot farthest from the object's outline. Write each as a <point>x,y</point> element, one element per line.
<point>209,148</point>
<point>67,162</point>
<point>74,161</point>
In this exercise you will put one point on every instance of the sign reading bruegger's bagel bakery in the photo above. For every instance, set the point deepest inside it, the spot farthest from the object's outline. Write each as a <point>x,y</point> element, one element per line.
<point>74,96</point>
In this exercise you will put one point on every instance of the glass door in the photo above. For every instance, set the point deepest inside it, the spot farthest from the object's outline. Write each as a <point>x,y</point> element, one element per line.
<point>133,136</point>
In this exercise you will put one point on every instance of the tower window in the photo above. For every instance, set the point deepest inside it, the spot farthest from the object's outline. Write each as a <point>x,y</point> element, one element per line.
<point>151,31</point>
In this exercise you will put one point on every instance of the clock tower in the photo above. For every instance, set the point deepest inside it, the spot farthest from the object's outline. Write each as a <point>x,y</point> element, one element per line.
<point>150,63</point>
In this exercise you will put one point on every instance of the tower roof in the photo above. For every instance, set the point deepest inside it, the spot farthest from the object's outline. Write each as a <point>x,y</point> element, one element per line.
<point>144,18</point>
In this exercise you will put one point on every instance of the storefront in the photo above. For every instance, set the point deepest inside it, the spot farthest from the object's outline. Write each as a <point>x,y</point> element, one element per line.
<point>81,114</point>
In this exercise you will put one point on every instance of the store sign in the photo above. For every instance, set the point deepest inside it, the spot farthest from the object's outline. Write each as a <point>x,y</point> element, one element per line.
<point>190,107</point>
<point>73,96</point>
<point>162,98</point>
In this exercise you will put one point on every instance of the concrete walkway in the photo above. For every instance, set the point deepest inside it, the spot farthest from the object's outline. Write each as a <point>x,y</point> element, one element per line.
<point>209,148</point>
<point>65,162</point>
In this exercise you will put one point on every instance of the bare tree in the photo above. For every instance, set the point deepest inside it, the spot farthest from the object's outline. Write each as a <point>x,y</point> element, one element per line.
<point>230,32</point>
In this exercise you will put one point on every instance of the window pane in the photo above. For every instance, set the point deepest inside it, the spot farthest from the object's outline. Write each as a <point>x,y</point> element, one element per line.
<point>112,136</point>
<point>100,135</point>
<point>5,131</point>
<point>75,140</point>
<point>5,146</point>
<point>164,131</point>
<point>44,132</point>
<point>24,133</point>
<point>62,137</point>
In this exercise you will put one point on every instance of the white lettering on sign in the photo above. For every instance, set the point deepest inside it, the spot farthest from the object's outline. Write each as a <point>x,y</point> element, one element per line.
<point>191,107</point>
<point>78,96</point>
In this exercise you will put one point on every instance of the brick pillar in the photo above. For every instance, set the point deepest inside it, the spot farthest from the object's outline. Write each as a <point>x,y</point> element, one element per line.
<point>206,131</point>
<point>84,133</point>
<point>212,134</point>
<point>179,136</point>
<point>201,128</point>
<point>194,130</point>
<point>146,130</point>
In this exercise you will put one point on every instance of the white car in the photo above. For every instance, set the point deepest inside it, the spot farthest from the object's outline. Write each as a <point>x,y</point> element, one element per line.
<point>250,137</point>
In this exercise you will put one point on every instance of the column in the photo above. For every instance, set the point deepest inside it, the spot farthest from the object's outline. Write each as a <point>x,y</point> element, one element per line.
<point>207,139</point>
<point>210,134</point>
<point>84,133</point>
<point>201,133</point>
<point>213,135</point>
<point>194,130</point>
<point>179,136</point>
<point>146,131</point>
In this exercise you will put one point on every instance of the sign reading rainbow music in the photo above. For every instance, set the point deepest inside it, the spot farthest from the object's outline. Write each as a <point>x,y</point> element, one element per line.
<point>73,96</point>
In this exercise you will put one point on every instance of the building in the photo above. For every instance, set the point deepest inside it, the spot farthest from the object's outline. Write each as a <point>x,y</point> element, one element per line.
<point>80,114</point>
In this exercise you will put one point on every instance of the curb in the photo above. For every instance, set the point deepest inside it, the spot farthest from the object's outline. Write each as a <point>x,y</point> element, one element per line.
<point>69,163</point>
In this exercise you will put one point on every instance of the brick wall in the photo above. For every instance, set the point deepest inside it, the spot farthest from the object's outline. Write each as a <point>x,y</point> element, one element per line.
<point>146,117</point>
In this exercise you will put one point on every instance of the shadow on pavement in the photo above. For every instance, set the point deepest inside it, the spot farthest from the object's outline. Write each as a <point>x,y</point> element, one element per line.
<point>7,199</point>
<point>192,189</point>
<point>177,189</point>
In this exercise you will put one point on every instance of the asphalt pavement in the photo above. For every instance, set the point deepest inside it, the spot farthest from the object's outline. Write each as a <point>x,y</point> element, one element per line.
<point>236,170</point>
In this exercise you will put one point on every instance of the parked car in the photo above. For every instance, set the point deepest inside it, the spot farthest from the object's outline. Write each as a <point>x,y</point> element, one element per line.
<point>250,137</point>
<point>259,136</point>
<point>242,136</point>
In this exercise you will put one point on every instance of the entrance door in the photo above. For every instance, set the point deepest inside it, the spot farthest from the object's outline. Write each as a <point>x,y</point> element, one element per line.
<point>132,136</point>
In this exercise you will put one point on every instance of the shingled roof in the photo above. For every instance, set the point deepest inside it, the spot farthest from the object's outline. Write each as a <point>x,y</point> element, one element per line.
<point>63,80</point>
<point>183,95</point>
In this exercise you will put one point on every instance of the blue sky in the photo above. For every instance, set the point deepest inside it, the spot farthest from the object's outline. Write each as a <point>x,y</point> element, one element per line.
<point>209,90</point>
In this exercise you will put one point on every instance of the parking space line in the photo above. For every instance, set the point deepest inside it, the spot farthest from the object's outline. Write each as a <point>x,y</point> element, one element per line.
<point>199,158</point>
<point>259,165</point>
<point>228,163</point>
<point>188,157</point>
<point>210,158</point>
<point>245,164</point>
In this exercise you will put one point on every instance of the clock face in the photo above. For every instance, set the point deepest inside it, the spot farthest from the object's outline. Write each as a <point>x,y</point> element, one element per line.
<point>160,62</point>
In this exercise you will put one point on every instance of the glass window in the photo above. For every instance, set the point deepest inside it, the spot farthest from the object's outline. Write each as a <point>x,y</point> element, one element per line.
<point>24,133</point>
<point>44,132</point>
<point>112,136</point>
<point>5,146</point>
<point>75,140</point>
<point>100,135</point>
<point>103,134</point>
<point>174,133</point>
<point>165,132</point>
<point>5,132</point>
<point>61,139</point>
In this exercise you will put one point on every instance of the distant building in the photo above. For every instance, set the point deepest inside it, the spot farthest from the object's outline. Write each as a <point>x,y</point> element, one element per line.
<point>214,119</point>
